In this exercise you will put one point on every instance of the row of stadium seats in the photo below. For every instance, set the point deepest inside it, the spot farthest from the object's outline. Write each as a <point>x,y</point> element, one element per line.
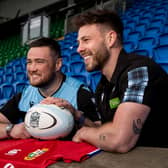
<point>146,30</point>
<point>8,90</point>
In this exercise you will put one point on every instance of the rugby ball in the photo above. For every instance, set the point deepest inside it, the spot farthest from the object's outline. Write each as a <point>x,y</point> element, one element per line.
<point>47,122</point>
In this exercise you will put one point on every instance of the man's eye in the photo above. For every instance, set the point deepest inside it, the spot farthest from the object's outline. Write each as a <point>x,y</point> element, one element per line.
<point>40,61</point>
<point>86,40</point>
<point>28,62</point>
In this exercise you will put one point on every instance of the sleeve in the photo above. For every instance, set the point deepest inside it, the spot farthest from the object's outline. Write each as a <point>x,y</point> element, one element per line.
<point>11,111</point>
<point>143,85</point>
<point>138,80</point>
<point>86,103</point>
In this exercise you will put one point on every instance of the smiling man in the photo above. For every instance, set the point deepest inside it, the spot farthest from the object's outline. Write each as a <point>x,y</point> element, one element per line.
<point>47,85</point>
<point>132,93</point>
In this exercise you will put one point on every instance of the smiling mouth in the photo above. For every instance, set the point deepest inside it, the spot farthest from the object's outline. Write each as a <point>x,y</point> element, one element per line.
<point>86,57</point>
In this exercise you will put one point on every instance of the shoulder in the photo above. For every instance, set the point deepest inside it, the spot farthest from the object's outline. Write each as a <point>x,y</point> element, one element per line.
<point>76,84</point>
<point>29,89</point>
<point>72,81</point>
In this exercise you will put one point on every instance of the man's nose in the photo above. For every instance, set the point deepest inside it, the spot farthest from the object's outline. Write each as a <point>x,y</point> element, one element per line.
<point>32,67</point>
<point>80,49</point>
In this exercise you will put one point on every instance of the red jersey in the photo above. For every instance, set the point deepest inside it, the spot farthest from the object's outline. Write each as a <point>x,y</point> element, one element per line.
<point>33,153</point>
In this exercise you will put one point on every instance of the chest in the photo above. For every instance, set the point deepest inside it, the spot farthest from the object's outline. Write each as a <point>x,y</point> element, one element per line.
<point>108,100</point>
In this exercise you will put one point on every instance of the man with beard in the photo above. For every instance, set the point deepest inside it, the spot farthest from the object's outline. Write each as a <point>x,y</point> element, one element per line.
<point>132,93</point>
<point>49,86</point>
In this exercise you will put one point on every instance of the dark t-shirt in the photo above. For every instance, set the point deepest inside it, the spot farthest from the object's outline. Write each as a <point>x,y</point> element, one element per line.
<point>137,79</point>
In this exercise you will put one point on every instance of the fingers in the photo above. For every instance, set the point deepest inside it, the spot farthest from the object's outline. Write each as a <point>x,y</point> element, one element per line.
<point>76,137</point>
<point>59,102</point>
<point>53,100</point>
<point>19,132</point>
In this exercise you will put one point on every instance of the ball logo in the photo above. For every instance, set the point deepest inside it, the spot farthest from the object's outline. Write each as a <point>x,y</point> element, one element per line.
<point>35,118</point>
<point>9,165</point>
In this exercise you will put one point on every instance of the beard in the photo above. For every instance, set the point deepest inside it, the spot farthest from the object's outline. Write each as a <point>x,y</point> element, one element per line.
<point>99,59</point>
<point>45,82</point>
<point>103,57</point>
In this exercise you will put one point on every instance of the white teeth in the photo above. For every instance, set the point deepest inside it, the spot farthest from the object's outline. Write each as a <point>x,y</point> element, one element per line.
<point>34,76</point>
<point>86,57</point>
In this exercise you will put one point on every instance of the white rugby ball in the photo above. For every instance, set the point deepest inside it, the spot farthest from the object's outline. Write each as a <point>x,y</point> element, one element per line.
<point>48,121</point>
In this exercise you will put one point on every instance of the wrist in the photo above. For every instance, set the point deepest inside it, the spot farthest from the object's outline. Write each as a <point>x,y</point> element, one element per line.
<point>80,118</point>
<point>8,129</point>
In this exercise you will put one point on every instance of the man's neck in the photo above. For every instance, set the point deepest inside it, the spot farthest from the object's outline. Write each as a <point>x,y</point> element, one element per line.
<point>110,66</point>
<point>53,87</point>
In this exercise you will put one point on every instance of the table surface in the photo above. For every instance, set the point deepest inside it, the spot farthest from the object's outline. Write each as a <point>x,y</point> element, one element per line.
<point>140,157</point>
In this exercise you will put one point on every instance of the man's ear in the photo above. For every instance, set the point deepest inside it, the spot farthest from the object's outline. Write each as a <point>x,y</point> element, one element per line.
<point>58,64</point>
<point>111,38</point>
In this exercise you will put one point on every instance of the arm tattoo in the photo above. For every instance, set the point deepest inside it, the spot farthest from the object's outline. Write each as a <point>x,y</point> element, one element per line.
<point>102,137</point>
<point>137,126</point>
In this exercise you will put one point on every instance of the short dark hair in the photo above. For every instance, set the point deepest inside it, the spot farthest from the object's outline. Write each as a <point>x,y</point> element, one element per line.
<point>47,42</point>
<point>100,16</point>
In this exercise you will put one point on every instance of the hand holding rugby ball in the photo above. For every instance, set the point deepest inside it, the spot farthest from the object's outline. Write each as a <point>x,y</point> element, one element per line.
<point>48,121</point>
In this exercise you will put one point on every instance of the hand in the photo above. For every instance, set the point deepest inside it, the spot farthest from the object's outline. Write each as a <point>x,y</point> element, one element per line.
<point>84,134</point>
<point>19,132</point>
<point>59,102</point>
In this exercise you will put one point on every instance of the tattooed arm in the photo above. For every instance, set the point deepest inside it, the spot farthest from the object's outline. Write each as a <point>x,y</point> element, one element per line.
<point>122,133</point>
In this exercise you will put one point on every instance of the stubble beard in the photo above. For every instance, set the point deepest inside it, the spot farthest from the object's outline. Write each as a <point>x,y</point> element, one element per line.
<point>45,83</point>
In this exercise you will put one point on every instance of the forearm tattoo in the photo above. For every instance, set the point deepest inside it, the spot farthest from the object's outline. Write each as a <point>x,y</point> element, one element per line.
<point>102,137</point>
<point>137,126</point>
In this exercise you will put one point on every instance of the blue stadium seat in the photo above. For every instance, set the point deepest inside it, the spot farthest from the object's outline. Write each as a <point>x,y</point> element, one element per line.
<point>23,61</point>
<point>145,20</point>
<point>157,23</point>
<point>141,28</point>
<point>134,37</point>
<point>16,62</point>
<point>77,67</point>
<point>164,66</point>
<point>163,39</point>
<point>142,52</point>
<point>7,90</point>
<point>165,28</point>
<point>148,44</point>
<point>161,9</point>
<point>8,78</point>
<point>3,101</point>
<point>152,32</point>
<point>160,16</point>
<point>20,76</point>
<point>65,58</point>
<point>8,69</point>
<point>76,57</point>
<point>1,71</point>
<point>129,46</point>
<point>126,31</point>
<point>135,18</point>
<point>65,68</point>
<point>131,24</point>
<point>1,79</point>
<point>161,54</point>
<point>146,15</point>
<point>19,86</point>
<point>66,52</point>
<point>18,67</point>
